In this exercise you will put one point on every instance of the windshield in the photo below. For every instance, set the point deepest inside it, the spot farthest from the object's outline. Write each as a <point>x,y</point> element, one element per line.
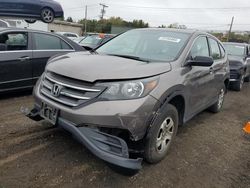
<point>94,39</point>
<point>234,49</point>
<point>78,39</point>
<point>153,45</point>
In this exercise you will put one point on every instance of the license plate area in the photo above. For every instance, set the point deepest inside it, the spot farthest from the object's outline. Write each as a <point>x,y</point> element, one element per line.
<point>49,113</point>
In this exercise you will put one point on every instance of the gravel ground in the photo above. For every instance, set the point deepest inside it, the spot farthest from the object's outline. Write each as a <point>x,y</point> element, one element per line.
<point>210,151</point>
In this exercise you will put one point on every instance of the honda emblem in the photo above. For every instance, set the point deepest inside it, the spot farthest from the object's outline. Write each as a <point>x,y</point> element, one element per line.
<point>56,90</point>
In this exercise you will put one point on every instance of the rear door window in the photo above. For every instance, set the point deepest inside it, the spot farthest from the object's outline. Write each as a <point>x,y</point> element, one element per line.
<point>65,46</point>
<point>49,42</point>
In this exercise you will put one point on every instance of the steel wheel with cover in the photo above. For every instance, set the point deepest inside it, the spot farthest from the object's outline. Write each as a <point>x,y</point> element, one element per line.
<point>237,86</point>
<point>47,15</point>
<point>161,134</point>
<point>215,108</point>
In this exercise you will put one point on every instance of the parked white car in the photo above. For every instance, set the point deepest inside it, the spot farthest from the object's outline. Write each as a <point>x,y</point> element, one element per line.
<point>4,24</point>
<point>69,35</point>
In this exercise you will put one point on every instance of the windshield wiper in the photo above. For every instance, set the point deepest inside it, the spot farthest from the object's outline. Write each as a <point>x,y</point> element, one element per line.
<point>131,57</point>
<point>93,51</point>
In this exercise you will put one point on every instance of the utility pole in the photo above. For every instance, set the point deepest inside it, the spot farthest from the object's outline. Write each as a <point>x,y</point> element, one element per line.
<point>230,29</point>
<point>103,11</point>
<point>85,21</point>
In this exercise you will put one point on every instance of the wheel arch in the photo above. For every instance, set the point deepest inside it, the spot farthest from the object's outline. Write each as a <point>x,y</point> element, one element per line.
<point>48,7</point>
<point>177,96</point>
<point>226,83</point>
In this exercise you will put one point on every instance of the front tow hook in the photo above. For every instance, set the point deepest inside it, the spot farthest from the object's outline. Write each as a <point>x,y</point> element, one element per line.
<point>33,114</point>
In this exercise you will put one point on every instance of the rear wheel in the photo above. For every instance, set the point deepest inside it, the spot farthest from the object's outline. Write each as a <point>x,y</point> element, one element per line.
<point>218,105</point>
<point>47,15</point>
<point>237,86</point>
<point>161,134</point>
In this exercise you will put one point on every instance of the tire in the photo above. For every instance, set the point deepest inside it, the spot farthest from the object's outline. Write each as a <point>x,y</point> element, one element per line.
<point>157,144</point>
<point>215,108</point>
<point>237,86</point>
<point>47,15</point>
<point>30,21</point>
<point>247,79</point>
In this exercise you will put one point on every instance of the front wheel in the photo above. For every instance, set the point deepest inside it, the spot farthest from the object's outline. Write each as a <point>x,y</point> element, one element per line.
<point>47,15</point>
<point>161,134</point>
<point>237,86</point>
<point>215,108</point>
<point>247,79</point>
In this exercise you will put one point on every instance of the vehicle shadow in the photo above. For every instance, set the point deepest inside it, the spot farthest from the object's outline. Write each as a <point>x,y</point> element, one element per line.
<point>15,94</point>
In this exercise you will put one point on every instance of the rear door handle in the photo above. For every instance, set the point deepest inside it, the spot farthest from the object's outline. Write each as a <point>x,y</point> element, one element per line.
<point>24,58</point>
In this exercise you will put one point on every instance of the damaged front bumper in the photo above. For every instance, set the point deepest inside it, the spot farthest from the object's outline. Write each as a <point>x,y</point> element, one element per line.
<point>107,147</point>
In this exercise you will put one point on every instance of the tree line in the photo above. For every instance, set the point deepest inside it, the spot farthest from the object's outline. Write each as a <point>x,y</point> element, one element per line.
<point>234,37</point>
<point>105,25</point>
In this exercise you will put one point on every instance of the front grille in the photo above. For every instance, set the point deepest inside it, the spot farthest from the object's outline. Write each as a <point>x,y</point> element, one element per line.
<point>68,91</point>
<point>234,74</point>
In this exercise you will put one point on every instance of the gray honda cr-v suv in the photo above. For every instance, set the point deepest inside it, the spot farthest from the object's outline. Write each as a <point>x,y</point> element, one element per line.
<point>132,93</point>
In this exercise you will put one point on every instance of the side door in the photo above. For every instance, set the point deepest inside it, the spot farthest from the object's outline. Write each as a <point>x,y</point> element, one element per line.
<point>31,7</point>
<point>199,79</point>
<point>15,64</point>
<point>219,66</point>
<point>9,6</point>
<point>44,47</point>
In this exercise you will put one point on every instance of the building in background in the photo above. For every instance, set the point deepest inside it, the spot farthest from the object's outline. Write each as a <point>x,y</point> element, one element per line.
<point>38,25</point>
<point>62,26</point>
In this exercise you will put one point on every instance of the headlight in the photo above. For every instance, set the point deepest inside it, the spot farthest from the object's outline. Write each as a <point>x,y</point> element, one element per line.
<point>129,89</point>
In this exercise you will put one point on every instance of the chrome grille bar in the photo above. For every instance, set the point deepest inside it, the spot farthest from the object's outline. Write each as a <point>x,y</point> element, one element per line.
<point>71,86</point>
<point>71,93</point>
<point>59,100</point>
<point>74,96</point>
<point>47,86</point>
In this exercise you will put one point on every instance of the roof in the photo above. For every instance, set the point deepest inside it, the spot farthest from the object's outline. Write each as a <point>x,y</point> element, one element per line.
<point>236,43</point>
<point>188,31</point>
<point>2,28</point>
<point>20,29</point>
<point>72,43</point>
<point>27,30</point>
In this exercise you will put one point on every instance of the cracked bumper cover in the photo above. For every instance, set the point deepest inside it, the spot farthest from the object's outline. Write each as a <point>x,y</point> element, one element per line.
<point>107,147</point>
<point>131,115</point>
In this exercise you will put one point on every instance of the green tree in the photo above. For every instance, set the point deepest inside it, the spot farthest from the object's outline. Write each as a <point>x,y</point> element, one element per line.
<point>105,25</point>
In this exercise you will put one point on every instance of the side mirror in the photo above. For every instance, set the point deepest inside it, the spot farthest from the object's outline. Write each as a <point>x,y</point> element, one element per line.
<point>3,47</point>
<point>201,61</point>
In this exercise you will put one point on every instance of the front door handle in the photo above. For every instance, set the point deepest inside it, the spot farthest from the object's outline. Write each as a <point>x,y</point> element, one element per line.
<point>211,70</point>
<point>24,58</point>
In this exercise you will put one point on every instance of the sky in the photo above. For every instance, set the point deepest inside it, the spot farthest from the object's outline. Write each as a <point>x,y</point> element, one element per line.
<point>198,14</point>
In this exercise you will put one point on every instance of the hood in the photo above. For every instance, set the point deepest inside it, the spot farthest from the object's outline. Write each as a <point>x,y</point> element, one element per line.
<point>88,67</point>
<point>235,61</point>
